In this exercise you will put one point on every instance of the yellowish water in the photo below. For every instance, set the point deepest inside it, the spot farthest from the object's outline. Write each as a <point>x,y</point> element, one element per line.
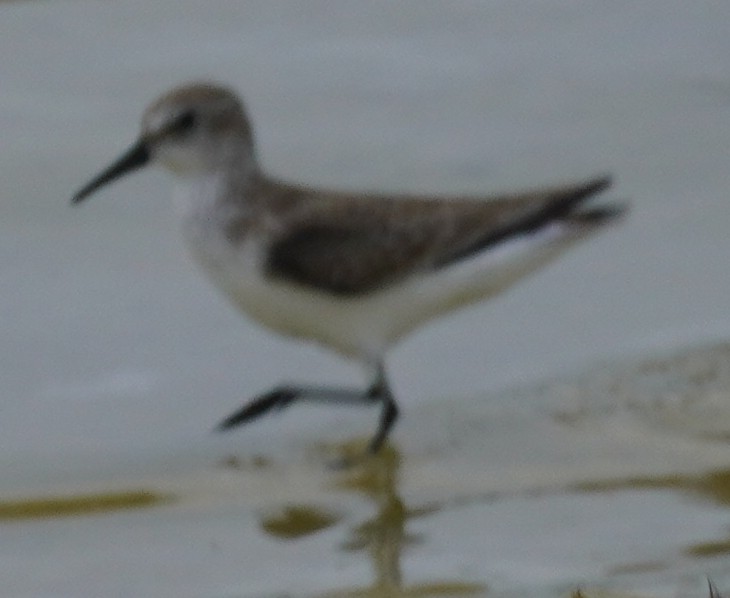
<point>83,504</point>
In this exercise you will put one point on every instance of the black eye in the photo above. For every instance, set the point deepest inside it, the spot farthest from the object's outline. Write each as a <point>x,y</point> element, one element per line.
<point>185,122</point>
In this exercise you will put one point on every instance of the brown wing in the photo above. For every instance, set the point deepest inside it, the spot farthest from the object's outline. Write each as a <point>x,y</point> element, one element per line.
<point>355,245</point>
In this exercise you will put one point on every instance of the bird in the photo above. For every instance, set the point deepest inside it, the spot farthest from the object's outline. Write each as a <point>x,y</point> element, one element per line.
<point>353,271</point>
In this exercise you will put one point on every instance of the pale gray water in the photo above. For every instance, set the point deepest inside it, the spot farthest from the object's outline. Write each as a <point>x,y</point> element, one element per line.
<point>118,358</point>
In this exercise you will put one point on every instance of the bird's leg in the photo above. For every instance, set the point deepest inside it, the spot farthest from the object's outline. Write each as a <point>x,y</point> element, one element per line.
<point>283,396</point>
<point>380,391</point>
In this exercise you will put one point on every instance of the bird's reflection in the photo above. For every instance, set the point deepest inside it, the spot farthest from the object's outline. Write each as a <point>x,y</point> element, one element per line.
<point>384,537</point>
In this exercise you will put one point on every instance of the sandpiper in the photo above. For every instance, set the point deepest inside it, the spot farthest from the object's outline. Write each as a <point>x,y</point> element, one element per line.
<point>353,271</point>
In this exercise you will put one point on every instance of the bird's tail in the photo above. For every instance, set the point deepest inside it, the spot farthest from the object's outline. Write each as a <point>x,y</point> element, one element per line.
<point>600,215</point>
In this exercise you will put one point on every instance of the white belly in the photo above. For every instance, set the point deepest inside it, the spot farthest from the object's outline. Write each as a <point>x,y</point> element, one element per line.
<point>364,326</point>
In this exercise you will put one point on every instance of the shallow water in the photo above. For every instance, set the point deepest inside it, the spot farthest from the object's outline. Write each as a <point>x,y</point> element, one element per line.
<point>570,433</point>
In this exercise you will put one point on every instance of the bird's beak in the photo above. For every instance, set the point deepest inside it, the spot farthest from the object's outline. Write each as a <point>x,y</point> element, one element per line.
<point>135,157</point>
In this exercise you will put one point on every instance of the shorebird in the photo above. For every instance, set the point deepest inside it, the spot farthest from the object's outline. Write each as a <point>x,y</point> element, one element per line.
<point>355,272</point>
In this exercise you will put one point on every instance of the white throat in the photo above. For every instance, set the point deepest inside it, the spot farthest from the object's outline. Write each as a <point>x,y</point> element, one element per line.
<point>207,204</point>
<point>198,195</point>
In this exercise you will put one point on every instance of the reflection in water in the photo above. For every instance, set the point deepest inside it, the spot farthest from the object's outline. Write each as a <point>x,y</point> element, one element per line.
<point>295,521</point>
<point>384,537</point>
<point>82,504</point>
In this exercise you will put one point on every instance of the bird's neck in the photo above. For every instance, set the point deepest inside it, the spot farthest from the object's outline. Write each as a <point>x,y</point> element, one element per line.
<point>216,211</point>
<point>215,193</point>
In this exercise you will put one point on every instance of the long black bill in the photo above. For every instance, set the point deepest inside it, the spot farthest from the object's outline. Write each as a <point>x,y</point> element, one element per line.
<point>135,157</point>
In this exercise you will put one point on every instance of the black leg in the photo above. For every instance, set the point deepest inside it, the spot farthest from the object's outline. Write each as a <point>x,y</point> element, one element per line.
<point>282,396</point>
<point>380,390</point>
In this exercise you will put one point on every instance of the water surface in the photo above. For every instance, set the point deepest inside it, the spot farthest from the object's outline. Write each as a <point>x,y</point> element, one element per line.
<point>570,433</point>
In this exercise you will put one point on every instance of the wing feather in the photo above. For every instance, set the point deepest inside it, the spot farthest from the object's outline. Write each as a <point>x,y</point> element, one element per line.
<point>355,245</point>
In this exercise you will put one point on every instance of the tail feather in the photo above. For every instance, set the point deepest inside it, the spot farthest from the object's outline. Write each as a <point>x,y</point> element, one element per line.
<point>564,202</point>
<point>558,204</point>
<point>600,215</point>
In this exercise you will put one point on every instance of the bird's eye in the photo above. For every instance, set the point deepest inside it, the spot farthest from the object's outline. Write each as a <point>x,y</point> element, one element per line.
<point>185,122</point>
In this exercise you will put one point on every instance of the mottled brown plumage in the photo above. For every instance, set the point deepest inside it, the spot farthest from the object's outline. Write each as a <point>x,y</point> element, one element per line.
<point>350,244</point>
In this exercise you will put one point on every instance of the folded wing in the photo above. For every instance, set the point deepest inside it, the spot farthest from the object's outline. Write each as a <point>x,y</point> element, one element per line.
<point>354,246</point>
